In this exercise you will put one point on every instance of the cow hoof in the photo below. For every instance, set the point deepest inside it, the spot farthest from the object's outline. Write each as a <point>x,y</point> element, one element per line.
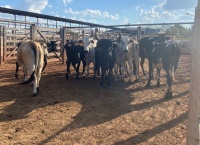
<point>31,84</point>
<point>16,76</point>
<point>34,94</point>
<point>38,90</point>
<point>147,85</point>
<point>136,80</point>
<point>67,77</point>
<point>158,85</point>
<point>109,87</point>
<point>101,86</point>
<point>168,95</point>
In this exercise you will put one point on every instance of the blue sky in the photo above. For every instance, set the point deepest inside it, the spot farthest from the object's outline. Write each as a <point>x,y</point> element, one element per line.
<point>110,12</point>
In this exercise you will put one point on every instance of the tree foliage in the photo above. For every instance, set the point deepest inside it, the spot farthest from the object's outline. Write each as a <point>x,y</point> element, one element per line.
<point>177,29</point>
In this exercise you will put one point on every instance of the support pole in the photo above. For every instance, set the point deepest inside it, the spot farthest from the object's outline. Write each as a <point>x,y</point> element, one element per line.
<point>62,44</point>
<point>4,43</point>
<point>1,45</point>
<point>138,33</point>
<point>33,32</point>
<point>193,128</point>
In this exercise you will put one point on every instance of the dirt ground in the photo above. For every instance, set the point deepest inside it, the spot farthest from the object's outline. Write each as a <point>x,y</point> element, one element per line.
<point>74,112</point>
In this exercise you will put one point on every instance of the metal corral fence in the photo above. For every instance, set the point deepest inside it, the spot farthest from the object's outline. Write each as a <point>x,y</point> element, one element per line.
<point>10,37</point>
<point>12,31</point>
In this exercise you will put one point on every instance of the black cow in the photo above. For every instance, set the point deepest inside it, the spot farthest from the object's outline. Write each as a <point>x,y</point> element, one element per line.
<point>105,57</point>
<point>52,46</point>
<point>146,46</point>
<point>165,55</point>
<point>74,54</point>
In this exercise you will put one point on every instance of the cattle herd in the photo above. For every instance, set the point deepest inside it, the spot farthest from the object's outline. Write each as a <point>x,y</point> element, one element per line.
<point>108,57</point>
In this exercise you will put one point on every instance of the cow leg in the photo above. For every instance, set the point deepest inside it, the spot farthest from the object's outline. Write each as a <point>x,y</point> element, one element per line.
<point>38,77</point>
<point>45,63</point>
<point>16,71</point>
<point>136,66</point>
<point>35,85</point>
<point>120,69</point>
<point>102,76</point>
<point>97,66</point>
<point>115,71</point>
<point>25,74</point>
<point>84,64</point>
<point>109,75</point>
<point>158,77</point>
<point>94,68</point>
<point>169,83</point>
<point>150,74</point>
<point>87,66</point>
<point>130,66</point>
<point>123,70</point>
<point>77,69</point>
<point>68,70</point>
<point>173,72</point>
<point>142,65</point>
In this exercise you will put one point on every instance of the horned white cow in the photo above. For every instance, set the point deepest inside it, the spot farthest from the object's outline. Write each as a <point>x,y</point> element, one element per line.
<point>122,45</point>
<point>90,44</point>
<point>132,57</point>
<point>31,56</point>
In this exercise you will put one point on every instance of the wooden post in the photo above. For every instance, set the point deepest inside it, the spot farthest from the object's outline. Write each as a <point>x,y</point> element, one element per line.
<point>138,33</point>
<point>193,128</point>
<point>33,32</point>
<point>4,43</point>
<point>1,44</point>
<point>138,38</point>
<point>83,33</point>
<point>62,44</point>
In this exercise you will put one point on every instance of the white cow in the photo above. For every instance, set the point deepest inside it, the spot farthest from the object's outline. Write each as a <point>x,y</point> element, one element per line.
<point>90,44</point>
<point>122,45</point>
<point>31,56</point>
<point>132,57</point>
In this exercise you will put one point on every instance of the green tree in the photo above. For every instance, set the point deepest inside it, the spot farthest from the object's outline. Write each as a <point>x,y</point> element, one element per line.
<point>180,30</point>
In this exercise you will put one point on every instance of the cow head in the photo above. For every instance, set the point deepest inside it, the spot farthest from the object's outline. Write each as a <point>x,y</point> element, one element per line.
<point>89,42</point>
<point>125,41</point>
<point>52,45</point>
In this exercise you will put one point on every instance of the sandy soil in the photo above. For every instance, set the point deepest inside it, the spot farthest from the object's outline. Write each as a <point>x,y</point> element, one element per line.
<point>74,112</point>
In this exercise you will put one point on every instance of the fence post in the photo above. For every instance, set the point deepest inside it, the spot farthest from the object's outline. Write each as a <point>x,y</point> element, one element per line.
<point>138,33</point>
<point>1,44</point>
<point>138,38</point>
<point>83,33</point>
<point>62,44</point>
<point>4,43</point>
<point>33,32</point>
<point>193,127</point>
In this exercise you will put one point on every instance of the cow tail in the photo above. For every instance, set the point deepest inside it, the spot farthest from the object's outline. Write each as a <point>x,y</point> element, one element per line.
<point>37,58</point>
